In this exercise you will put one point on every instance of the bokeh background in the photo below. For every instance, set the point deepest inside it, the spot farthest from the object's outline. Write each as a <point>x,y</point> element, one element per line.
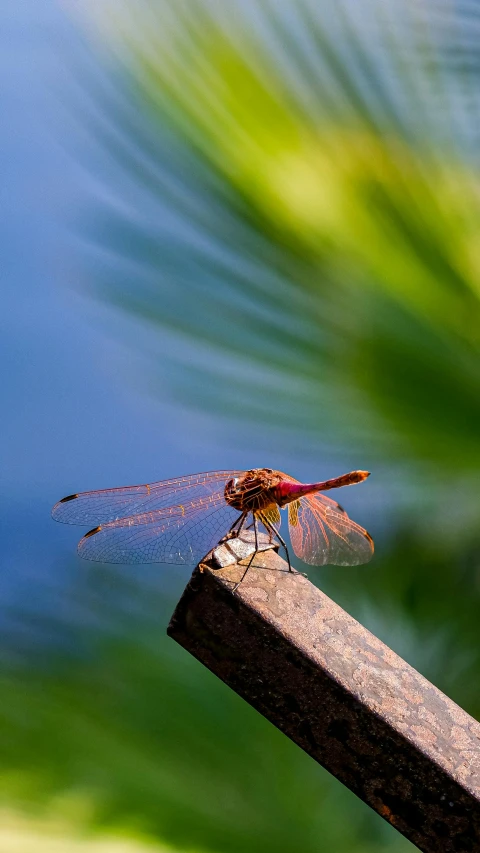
<point>233,234</point>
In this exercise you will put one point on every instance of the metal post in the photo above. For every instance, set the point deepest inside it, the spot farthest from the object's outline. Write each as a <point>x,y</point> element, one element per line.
<point>343,696</point>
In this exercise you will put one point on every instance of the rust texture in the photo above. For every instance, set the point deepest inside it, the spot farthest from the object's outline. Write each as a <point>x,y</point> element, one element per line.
<point>343,696</point>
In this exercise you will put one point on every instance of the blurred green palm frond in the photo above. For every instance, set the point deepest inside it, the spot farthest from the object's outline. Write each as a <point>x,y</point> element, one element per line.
<point>134,737</point>
<point>315,177</point>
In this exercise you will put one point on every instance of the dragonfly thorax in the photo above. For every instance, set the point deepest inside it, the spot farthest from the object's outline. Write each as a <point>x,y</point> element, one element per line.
<point>253,491</point>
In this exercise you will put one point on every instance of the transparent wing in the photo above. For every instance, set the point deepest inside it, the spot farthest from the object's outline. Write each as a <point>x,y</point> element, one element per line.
<point>178,534</point>
<point>106,505</point>
<point>322,533</point>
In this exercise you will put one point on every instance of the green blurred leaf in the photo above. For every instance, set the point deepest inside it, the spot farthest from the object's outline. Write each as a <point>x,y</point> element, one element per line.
<point>324,232</point>
<point>144,739</point>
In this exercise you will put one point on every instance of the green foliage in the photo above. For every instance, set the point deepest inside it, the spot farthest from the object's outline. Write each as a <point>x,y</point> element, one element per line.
<point>136,736</point>
<point>334,211</point>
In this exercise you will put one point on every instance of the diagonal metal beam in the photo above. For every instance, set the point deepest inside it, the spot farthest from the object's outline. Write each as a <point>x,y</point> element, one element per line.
<point>343,696</point>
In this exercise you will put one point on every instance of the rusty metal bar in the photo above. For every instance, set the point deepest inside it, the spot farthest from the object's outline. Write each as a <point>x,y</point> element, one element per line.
<point>347,699</point>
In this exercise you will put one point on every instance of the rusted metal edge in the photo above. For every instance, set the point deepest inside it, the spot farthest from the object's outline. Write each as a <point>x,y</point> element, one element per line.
<point>348,700</point>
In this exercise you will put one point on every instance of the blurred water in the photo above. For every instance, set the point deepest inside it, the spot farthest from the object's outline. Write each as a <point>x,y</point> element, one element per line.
<point>71,417</point>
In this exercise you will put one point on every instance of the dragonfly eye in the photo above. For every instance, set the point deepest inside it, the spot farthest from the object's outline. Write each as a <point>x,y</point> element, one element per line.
<point>233,493</point>
<point>231,486</point>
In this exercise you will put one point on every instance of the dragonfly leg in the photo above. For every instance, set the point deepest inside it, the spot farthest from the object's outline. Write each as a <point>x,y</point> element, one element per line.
<point>255,527</point>
<point>232,533</point>
<point>243,520</point>
<point>273,531</point>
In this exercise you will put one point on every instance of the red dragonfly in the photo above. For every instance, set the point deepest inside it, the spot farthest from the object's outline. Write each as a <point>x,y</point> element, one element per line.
<point>179,521</point>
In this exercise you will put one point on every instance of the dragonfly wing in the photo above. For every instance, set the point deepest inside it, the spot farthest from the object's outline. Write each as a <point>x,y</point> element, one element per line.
<point>179,535</point>
<point>272,515</point>
<point>322,533</point>
<point>105,505</point>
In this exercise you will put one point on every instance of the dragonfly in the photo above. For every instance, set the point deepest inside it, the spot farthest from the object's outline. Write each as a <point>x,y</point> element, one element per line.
<point>181,520</point>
